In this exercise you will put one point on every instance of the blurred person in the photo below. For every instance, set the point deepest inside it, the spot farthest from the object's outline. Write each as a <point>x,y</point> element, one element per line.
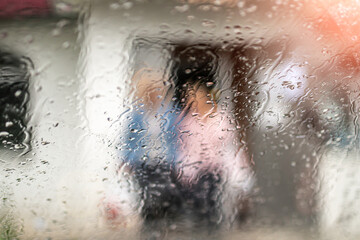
<point>182,149</point>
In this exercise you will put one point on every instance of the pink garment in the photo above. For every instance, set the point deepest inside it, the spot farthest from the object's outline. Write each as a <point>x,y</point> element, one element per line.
<point>211,144</point>
<point>13,8</point>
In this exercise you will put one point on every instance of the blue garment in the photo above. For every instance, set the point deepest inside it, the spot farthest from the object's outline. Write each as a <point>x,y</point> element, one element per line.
<point>151,150</point>
<point>152,138</point>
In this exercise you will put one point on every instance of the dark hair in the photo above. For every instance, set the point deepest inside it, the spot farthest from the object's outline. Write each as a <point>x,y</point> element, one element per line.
<point>193,64</point>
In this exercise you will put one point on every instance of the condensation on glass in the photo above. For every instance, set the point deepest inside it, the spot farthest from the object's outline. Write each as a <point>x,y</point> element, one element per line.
<point>179,119</point>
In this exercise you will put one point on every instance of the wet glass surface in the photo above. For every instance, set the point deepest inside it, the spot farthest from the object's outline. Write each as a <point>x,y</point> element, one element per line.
<point>14,85</point>
<point>192,119</point>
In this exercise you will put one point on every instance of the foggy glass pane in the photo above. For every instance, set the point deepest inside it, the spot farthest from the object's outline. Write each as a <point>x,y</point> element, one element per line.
<point>181,119</point>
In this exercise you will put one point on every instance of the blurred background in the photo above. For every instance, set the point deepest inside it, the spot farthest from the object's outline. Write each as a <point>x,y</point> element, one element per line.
<point>279,77</point>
